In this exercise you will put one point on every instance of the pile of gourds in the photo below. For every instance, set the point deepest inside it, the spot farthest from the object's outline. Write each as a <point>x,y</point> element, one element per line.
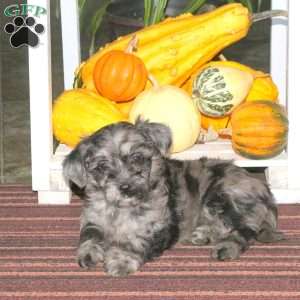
<point>165,73</point>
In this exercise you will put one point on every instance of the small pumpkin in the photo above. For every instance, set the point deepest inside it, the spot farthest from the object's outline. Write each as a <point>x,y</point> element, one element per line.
<point>263,87</point>
<point>259,129</point>
<point>120,75</point>
<point>218,90</point>
<point>173,107</point>
<point>78,113</point>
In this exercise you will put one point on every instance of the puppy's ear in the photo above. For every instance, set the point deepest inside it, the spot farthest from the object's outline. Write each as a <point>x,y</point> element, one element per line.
<point>74,170</point>
<point>160,134</point>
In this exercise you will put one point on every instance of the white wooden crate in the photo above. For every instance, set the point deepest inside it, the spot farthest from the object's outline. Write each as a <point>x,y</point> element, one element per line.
<point>46,166</point>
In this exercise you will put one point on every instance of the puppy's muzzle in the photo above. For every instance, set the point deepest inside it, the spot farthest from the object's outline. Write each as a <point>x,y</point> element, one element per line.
<point>131,195</point>
<point>132,190</point>
<point>127,190</point>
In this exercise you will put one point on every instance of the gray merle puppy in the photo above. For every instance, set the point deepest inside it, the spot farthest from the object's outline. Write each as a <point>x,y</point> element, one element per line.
<point>138,202</point>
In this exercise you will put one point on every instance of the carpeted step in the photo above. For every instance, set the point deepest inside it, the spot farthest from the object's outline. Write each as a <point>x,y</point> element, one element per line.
<point>37,261</point>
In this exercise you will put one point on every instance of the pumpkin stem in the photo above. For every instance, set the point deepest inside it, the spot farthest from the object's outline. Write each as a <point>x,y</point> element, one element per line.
<point>263,75</point>
<point>153,80</point>
<point>222,57</point>
<point>225,132</point>
<point>77,82</point>
<point>208,135</point>
<point>132,45</point>
<point>227,123</point>
<point>268,14</point>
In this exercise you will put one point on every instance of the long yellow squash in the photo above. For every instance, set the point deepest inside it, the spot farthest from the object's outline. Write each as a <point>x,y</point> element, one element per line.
<point>173,49</point>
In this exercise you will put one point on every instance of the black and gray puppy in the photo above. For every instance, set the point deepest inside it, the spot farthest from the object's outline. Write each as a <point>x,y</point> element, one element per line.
<point>137,202</point>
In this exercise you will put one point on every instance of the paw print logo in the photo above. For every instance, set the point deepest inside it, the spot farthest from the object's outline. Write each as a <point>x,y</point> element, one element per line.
<point>24,31</point>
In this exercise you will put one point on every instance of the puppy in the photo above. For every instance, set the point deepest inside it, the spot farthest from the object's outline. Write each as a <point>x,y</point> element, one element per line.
<point>138,202</point>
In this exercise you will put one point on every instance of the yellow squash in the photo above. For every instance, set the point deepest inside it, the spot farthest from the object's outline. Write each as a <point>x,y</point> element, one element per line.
<point>78,113</point>
<point>173,49</point>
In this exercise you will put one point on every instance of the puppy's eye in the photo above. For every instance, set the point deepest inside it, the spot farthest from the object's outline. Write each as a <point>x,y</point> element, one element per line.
<point>137,158</point>
<point>102,166</point>
<point>112,176</point>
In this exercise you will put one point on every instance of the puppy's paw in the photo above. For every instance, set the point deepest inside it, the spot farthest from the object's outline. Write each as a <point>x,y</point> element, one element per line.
<point>118,263</point>
<point>201,236</point>
<point>227,250</point>
<point>89,254</point>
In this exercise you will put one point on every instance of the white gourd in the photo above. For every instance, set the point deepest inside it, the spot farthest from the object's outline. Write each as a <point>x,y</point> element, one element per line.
<point>173,107</point>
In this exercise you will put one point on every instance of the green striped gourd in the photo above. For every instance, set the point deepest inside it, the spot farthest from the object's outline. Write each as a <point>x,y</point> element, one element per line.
<point>218,90</point>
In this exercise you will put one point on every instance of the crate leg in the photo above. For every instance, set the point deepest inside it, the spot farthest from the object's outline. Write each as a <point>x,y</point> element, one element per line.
<point>277,177</point>
<point>59,192</point>
<point>54,197</point>
<point>46,179</point>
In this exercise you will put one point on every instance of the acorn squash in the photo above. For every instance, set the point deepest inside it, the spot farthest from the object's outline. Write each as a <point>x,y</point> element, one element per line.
<point>259,129</point>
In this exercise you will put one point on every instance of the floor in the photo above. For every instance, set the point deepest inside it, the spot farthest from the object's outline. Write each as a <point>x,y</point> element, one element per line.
<point>38,261</point>
<point>14,92</point>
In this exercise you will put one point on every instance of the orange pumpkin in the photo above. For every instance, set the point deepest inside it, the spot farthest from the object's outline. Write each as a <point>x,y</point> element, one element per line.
<point>259,129</point>
<point>120,75</point>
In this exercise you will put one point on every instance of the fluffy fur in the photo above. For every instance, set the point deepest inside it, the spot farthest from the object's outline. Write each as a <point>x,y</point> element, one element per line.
<point>138,202</point>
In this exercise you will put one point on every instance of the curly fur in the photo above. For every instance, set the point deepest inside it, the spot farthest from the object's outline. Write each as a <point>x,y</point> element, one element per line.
<point>138,202</point>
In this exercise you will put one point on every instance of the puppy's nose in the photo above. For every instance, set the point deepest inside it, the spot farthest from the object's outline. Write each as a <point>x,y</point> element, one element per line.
<point>124,187</point>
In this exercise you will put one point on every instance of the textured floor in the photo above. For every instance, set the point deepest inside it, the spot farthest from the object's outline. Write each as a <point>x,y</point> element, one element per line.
<point>37,261</point>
